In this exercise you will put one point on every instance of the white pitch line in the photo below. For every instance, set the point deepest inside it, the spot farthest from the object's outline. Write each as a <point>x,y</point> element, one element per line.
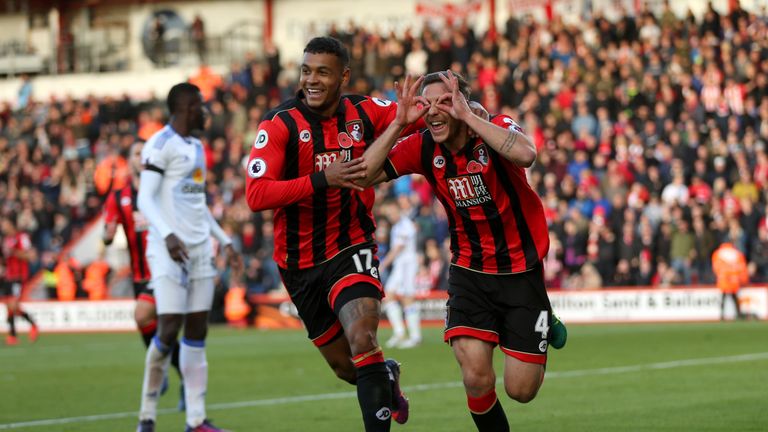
<point>411,389</point>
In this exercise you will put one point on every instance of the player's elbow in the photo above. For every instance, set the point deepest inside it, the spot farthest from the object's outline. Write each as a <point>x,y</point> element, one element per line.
<point>527,157</point>
<point>255,197</point>
<point>366,182</point>
<point>372,178</point>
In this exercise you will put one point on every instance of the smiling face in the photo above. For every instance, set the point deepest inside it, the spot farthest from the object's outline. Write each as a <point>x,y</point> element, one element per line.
<point>322,77</point>
<point>444,128</point>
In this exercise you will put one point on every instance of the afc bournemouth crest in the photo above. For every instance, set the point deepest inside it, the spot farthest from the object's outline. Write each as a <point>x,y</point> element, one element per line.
<point>355,129</point>
<point>480,154</point>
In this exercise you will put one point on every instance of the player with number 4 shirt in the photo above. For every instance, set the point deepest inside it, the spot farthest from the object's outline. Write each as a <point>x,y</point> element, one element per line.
<point>498,239</point>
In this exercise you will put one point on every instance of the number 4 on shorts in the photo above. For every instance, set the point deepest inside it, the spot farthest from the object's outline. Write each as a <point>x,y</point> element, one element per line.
<point>559,334</point>
<point>542,324</point>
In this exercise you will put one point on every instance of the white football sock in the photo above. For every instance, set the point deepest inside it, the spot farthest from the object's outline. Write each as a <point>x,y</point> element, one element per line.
<point>413,319</point>
<point>395,317</point>
<point>155,368</point>
<point>194,370</point>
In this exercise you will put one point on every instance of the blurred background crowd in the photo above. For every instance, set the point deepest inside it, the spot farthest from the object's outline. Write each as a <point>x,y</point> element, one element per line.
<point>651,133</point>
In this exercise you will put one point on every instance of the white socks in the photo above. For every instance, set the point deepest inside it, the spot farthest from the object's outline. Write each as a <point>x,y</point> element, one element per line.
<point>413,319</point>
<point>395,317</point>
<point>155,367</point>
<point>194,370</point>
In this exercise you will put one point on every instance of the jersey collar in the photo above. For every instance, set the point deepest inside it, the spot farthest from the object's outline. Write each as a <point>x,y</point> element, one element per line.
<point>308,113</point>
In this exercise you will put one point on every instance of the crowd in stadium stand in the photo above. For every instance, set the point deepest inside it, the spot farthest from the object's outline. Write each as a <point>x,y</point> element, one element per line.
<point>651,134</point>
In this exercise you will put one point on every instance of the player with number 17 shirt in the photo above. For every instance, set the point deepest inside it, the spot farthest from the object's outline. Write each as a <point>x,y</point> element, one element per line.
<point>303,164</point>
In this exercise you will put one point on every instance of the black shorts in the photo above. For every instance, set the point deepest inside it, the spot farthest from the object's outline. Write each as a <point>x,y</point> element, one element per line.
<point>317,291</point>
<point>141,290</point>
<point>510,310</point>
<point>9,289</point>
<point>6,290</point>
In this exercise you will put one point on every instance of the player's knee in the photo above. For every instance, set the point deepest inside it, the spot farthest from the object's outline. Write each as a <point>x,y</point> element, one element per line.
<point>196,325</point>
<point>144,314</point>
<point>478,382</point>
<point>362,339</point>
<point>168,329</point>
<point>522,392</point>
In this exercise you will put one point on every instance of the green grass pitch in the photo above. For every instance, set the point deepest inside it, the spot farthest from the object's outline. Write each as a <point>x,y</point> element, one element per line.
<point>645,377</point>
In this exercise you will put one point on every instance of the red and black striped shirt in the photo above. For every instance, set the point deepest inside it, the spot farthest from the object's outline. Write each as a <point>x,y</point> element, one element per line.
<point>313,223</point>
<point>16,269</point>
<point>121,207</point>
<point>496,220</point>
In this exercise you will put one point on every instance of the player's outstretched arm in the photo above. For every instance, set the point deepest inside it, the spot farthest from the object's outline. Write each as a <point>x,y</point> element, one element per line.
<point>511,143</point>
<point>410,108</point>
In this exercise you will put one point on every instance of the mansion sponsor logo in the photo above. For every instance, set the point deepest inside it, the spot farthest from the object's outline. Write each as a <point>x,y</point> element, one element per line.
<point>469,190</point>
<point>322,160</point>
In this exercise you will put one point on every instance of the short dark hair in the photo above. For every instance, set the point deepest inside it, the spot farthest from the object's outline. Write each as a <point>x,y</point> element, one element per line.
<point>328,45</point>
<point>178,92</point>
<point>434,77</point>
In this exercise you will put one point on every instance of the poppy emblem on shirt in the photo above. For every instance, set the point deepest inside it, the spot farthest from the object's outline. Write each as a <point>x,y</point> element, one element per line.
<point>474,167</point>
<point>438,162</point>
<point>257,168</point>
<point>261,140</point>
<point>305,136</point>
<point>344,140</point>
<point>355,129</point>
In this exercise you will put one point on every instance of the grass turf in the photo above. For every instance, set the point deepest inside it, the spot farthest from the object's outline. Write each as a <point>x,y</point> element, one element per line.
<point>645,377</point>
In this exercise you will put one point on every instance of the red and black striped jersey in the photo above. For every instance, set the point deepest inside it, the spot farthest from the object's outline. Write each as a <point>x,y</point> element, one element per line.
<point>312,222</point>
<point>16,268</point>
<point>496,220</point>
<point>121,208</point>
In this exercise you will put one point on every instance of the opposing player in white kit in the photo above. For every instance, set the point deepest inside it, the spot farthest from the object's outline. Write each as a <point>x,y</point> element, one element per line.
<point>180,254</point>
<point>401,283</point>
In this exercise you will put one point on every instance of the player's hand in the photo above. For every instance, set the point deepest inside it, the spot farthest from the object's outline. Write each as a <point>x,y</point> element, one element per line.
<point>453,103</point>
<point>176,248</point>
<point>340,174</point>
<point>234,259</point>
<point>479,110</point>
<point>410,105</point>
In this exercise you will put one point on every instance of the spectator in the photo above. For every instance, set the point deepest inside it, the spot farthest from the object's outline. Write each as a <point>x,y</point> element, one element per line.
<point>730,268</point>
<point>157,40</point>
<point>682,250</point>
<point>197,34</point>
